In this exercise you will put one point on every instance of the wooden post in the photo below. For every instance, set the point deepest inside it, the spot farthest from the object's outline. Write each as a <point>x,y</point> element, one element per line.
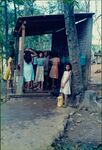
<point>22,49</point>
<point>19,78</point>
<point>16,50</point>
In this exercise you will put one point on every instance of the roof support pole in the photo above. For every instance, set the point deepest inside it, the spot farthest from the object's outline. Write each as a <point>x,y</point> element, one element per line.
<point>19,82</point>
<point>22,49</point>
<point>16,50</point>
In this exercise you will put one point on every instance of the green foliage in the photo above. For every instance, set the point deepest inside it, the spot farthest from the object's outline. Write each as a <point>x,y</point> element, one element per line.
<point>52,7</point>
<point>69,1</point>
<point>18,2</point>
<point>1,29</point>
<point>39,42</point>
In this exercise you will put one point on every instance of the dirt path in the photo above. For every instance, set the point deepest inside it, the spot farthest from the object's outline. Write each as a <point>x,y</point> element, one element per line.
<point>31,124</point>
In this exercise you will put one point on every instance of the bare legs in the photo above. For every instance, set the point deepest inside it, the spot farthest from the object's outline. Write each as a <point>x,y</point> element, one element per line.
<point>27,86</point>
<point>10,85</point>
<point>53,83</point>
<point>40,86</point>
<point>31,84</point>
<point>65,99</point>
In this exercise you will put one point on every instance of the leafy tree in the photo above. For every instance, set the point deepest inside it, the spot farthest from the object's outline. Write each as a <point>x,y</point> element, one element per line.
<point>52,7</point>
<point>1,31</point>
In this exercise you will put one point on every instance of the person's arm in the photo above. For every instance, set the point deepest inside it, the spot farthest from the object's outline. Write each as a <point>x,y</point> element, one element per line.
<point>58,61</point>
<point>34,54</point>
<point>51,60</point>
<point>10,65</point>
<point>67,78</point>
<point>44,62</point>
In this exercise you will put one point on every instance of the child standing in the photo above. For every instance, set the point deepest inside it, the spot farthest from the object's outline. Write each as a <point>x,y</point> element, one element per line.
<point>65,89</point>
<point>40,71</point>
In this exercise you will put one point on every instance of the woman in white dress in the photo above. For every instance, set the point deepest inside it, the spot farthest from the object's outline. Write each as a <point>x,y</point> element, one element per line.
<point>65,89</point>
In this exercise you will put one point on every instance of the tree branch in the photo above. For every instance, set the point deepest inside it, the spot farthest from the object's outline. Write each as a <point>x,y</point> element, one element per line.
<point>97,18</point>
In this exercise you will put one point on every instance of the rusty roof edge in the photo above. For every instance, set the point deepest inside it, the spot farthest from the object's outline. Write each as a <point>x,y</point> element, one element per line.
<point>81,13</point>
<point>22,19</point>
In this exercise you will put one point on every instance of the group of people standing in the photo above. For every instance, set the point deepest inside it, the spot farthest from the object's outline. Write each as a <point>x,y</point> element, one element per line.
<point>38,68</point>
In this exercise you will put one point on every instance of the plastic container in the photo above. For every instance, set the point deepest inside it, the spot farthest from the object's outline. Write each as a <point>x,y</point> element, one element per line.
<point>59,101</point>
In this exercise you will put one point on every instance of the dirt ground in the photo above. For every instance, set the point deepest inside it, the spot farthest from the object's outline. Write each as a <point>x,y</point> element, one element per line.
<point>31,123</point>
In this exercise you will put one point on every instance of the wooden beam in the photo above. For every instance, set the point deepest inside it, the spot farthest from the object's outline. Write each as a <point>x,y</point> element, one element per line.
<point>77,22</point>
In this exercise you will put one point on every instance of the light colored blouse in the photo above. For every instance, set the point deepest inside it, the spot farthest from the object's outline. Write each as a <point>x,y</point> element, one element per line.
<point>40,61</point>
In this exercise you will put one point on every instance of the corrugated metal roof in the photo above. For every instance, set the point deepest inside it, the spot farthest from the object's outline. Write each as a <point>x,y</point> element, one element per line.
<point>36,25</point>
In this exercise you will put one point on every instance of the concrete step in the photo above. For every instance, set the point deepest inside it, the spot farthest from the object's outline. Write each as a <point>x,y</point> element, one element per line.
<point>31,94</point>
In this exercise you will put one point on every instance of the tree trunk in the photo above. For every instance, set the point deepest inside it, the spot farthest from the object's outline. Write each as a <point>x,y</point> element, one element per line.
<point>6,29</point>
<point>72,40</point>
<point>90,102</point>
<point>87,5</point>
